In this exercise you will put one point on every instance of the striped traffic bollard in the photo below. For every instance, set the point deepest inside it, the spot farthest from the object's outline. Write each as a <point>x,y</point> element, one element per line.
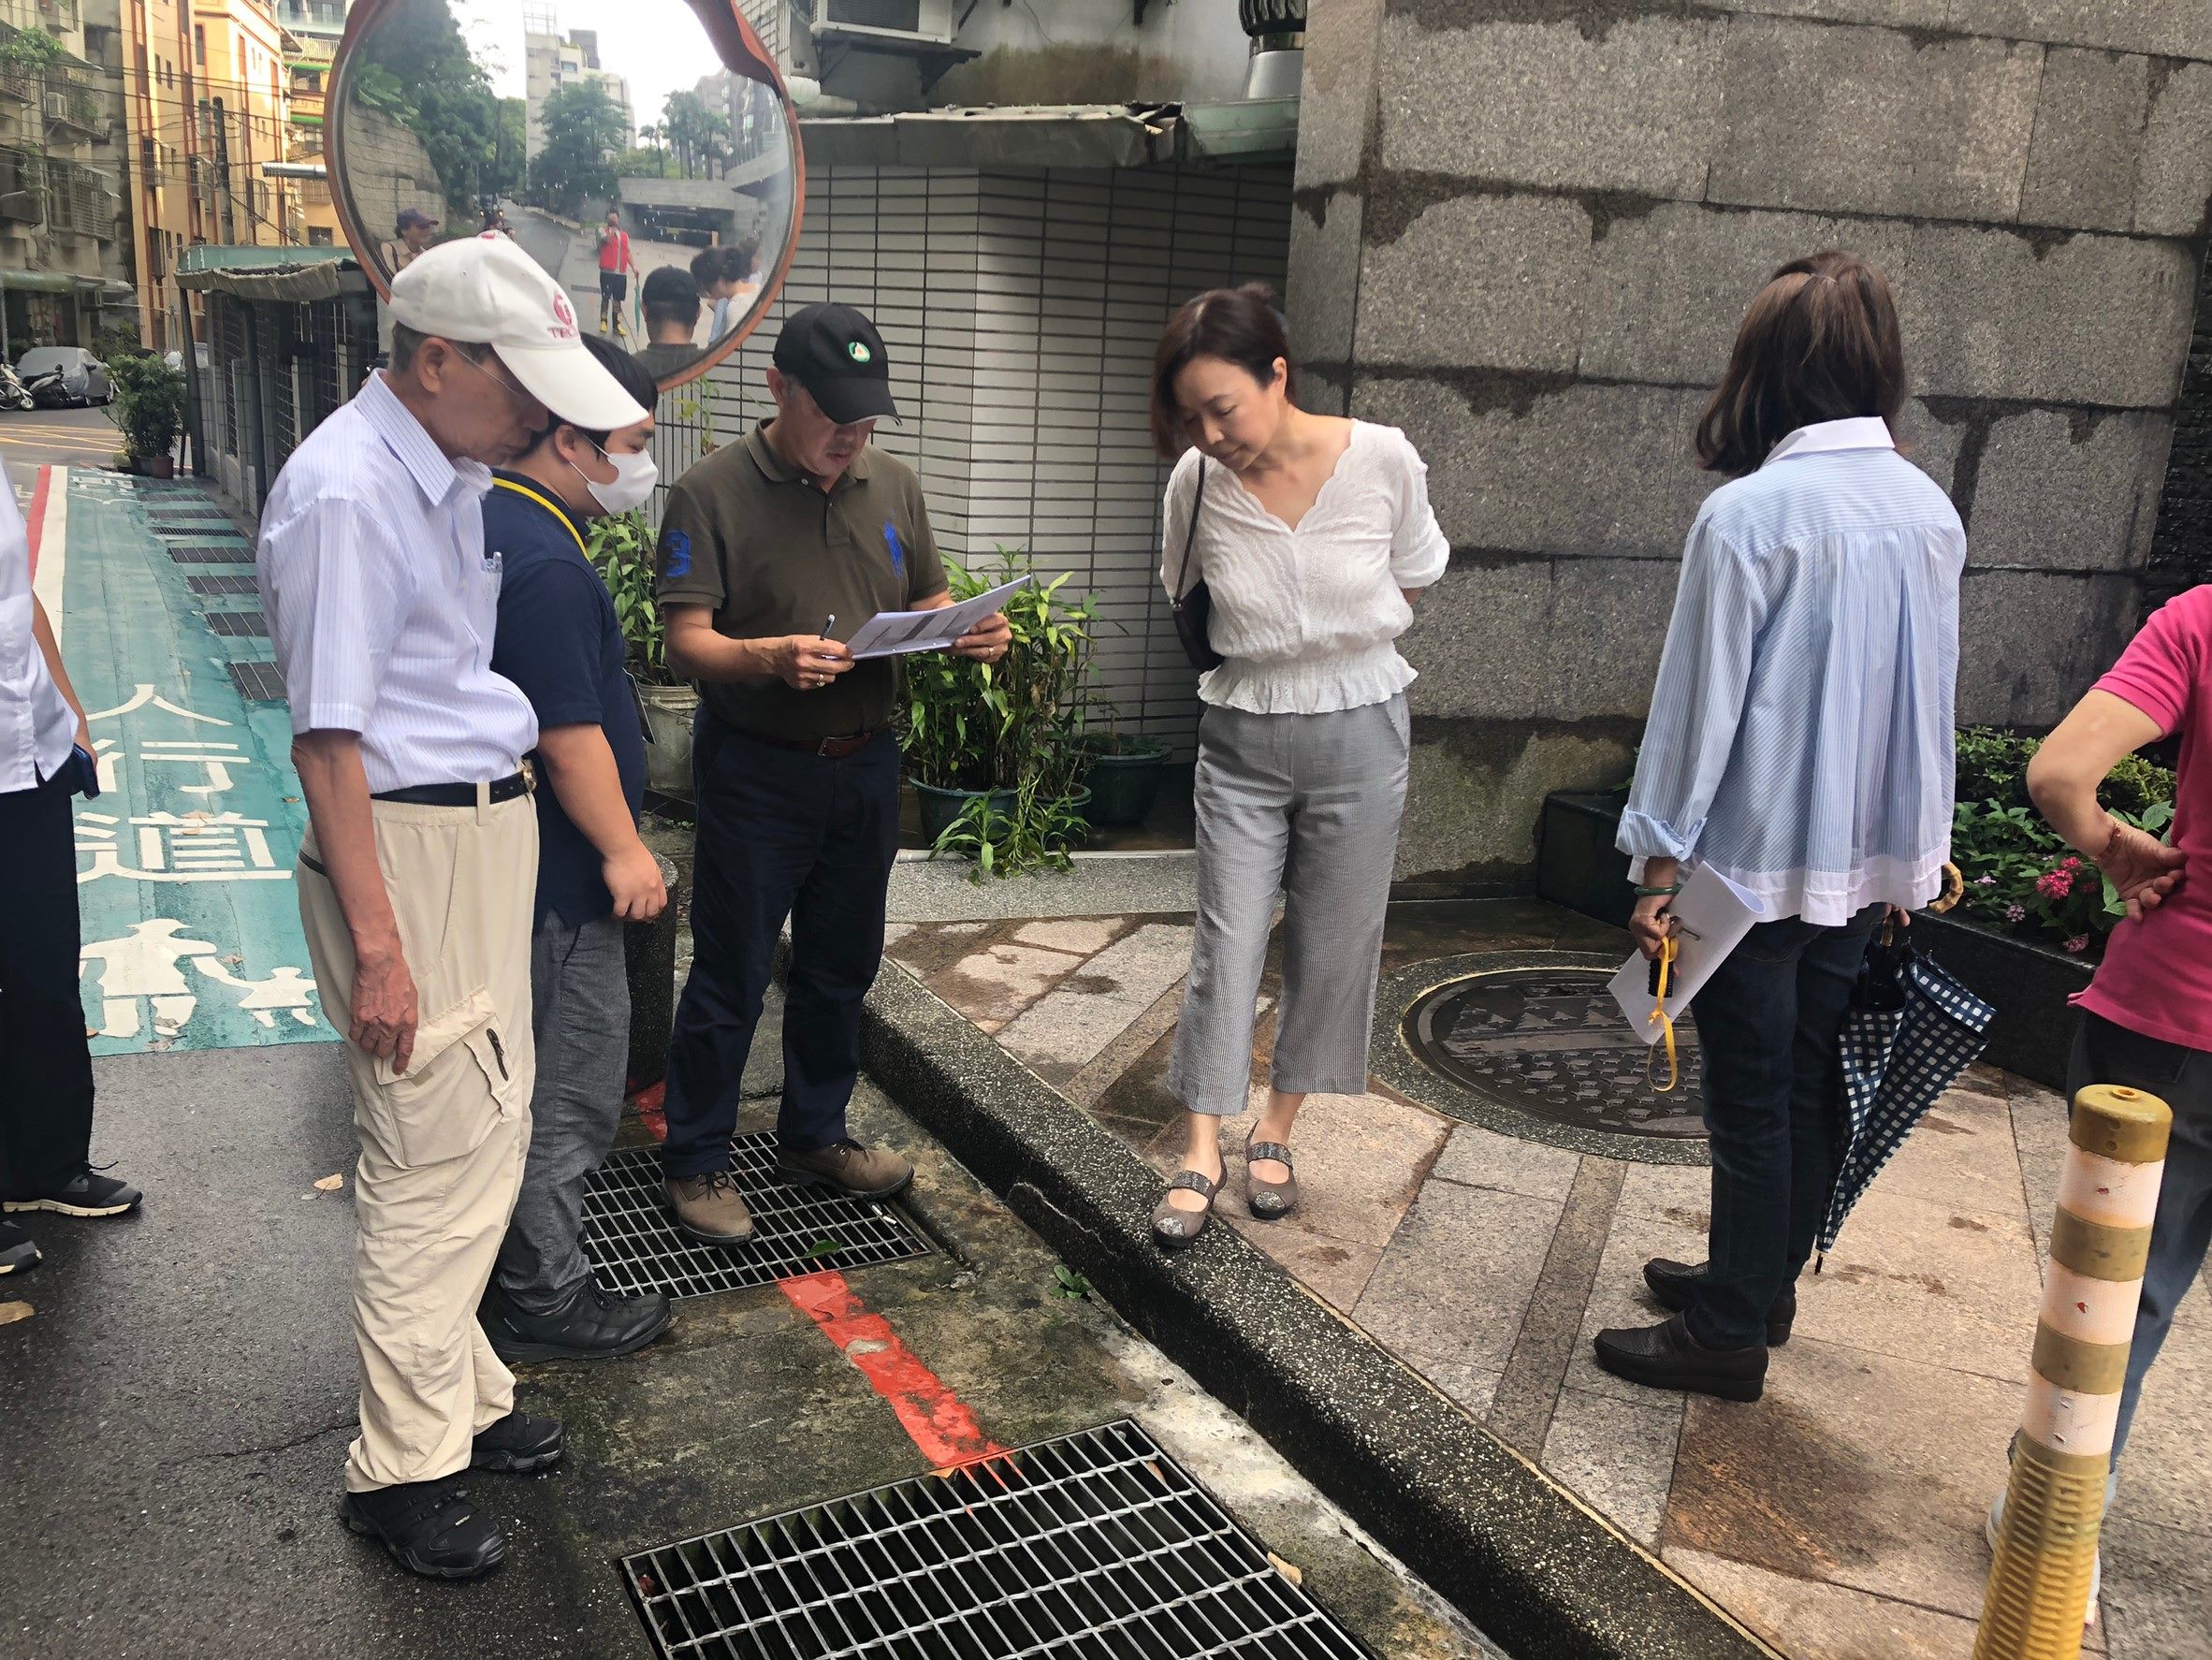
<point>2046,1549</point>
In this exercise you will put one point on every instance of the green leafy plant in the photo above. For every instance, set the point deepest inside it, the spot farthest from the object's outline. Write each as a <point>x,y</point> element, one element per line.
<point>149,405</point>
<point>1015,724</point>
<point>34,49</point>
<point>2019,876</point>
<point>620,546</point>
<point>1068,1283</point>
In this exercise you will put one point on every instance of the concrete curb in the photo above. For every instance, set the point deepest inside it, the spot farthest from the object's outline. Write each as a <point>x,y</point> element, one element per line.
<point>1540,1572</point>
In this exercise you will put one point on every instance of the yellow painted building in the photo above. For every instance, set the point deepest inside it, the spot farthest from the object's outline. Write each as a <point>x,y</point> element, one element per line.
<point>307,66</point>
<point>238,54</point>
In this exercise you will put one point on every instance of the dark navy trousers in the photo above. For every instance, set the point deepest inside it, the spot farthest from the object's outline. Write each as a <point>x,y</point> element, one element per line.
<point>782,833</point>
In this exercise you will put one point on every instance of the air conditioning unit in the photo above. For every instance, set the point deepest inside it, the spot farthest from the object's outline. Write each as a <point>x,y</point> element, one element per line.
<point>915,21</point>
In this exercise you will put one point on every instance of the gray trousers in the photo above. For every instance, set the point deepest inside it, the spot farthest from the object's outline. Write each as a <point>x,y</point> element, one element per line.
<point>1307,805</point>
<point>2182,1230</point>
<point>580,1016</point>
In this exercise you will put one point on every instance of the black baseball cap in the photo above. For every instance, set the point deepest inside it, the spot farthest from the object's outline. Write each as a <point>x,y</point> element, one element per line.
<point>410,217</point>
<point>835,351</point>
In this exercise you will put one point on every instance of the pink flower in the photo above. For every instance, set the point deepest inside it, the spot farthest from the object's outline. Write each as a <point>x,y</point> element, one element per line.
<point>1984,882</point>
<point>2015,913</point>
<point>2079,943</point>
<point>2070,863</point>
<point>2055,885</point>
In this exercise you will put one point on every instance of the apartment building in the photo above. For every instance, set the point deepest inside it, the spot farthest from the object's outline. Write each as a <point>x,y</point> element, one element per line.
<point>58,204</point>
<point>550,61</point>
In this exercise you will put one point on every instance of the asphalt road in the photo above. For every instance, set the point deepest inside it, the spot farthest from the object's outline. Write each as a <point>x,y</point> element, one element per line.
<point>33,438</point>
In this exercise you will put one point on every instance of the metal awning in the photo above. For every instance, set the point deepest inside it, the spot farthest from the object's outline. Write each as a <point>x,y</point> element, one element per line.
<point>296,274</point>
<point>1060,135</point>
<point>49,283</point>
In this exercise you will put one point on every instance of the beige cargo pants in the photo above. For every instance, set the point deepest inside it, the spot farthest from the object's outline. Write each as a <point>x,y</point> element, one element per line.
<point>442,1147</point>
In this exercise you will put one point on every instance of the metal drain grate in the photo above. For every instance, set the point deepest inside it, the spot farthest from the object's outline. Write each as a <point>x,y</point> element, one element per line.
<point>202,555</point>
<point>633,1244</point>
<point>258,683</point>
<point>221,585</point>
<point>1096,1544</point>
<point>237,625</point>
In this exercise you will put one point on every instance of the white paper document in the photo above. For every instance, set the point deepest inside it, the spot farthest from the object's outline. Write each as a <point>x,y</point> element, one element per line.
<point>888,633</point>
<point>1715,914</point>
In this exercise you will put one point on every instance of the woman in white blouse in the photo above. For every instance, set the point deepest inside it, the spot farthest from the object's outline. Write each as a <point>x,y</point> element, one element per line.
<point>1313,535</point>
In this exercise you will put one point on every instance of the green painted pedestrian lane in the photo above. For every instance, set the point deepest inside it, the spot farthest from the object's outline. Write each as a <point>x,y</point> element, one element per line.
<point>192,937</point>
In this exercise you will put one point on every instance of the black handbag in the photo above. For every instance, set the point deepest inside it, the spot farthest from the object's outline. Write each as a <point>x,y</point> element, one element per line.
<point>1193,606</point>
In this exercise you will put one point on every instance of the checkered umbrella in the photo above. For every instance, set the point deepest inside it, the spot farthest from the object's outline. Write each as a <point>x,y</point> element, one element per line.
<point>1911,1030</point>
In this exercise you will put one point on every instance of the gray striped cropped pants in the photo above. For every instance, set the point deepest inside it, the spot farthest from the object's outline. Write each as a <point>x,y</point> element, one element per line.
<point>1307,805</point>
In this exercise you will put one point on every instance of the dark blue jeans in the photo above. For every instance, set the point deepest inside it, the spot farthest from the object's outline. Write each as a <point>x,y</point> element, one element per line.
<point>1767,1025</point>
<point>781,833</point>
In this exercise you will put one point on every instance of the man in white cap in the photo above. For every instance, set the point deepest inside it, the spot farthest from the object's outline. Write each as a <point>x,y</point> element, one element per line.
<point>417,879</point>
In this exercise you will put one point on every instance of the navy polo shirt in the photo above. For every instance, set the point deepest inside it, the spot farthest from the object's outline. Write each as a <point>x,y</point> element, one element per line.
<point>558,640</point>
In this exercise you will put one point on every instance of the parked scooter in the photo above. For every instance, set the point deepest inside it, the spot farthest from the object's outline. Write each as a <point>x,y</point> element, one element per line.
<point>12,394</point>
<point>49,390</point>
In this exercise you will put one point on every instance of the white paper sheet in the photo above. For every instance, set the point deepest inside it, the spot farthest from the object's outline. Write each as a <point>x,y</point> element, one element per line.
<point>1715,914</point>
<point>891,634</point>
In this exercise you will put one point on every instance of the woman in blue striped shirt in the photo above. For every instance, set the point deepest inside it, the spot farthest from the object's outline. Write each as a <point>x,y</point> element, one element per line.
<point>1800,744</point>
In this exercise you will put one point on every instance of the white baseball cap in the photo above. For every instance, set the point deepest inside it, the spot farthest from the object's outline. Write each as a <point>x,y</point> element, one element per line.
<point>485,290</point>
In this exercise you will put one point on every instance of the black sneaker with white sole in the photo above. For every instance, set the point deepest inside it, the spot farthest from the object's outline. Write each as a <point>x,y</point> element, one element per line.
<point>19,1254</point>
<point>86,1194</point>
<point>517,1444</point>
<point>429,1528</point>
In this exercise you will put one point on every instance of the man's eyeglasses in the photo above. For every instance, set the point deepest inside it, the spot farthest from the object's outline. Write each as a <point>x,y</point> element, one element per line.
<point>482,367</point>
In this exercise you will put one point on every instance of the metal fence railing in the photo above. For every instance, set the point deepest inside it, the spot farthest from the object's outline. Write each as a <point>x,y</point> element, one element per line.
<point>275,370</point>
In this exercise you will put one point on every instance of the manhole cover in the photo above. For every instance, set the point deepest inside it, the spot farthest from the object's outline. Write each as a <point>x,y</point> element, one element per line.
<point>633,1244</point>
<point>1096,1544</point>
<point>1551,1042</point>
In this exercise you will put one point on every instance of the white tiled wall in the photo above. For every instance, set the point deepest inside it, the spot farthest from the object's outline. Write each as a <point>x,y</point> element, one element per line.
<point>1020,311</point>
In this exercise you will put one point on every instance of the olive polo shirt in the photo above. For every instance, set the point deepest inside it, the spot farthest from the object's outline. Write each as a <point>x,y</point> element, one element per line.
<point>773,554</point>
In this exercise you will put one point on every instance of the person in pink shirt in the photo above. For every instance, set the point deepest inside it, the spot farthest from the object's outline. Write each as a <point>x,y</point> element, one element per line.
<point>2147,1018</point>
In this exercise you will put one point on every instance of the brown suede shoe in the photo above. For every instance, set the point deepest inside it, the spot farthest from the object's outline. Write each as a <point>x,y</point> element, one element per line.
<point>865,1172</point>
<point>708,1208</point>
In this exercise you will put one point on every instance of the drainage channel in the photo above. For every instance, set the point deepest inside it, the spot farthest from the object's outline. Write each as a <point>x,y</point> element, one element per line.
<point>1096,1544</point>
<point>634,1245</point>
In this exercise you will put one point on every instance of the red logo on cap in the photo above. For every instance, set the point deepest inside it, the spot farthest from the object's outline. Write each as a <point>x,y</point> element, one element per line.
<point>564,315</point>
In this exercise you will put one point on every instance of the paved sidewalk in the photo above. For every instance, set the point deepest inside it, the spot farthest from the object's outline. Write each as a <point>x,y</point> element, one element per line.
<point>1840,1516</point>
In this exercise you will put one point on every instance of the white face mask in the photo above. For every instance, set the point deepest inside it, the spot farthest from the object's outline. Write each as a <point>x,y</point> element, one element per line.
<point>635,475</point>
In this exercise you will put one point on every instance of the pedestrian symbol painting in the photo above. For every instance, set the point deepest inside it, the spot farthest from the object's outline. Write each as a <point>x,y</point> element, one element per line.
<point>184,861</point>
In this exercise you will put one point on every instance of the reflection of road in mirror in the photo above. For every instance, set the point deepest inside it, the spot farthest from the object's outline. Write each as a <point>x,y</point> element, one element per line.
<point>662,200</point>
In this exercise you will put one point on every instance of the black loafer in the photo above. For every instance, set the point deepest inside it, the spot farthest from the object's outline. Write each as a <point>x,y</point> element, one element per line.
<point>1673,1284</point>
<point>429,1528</point>
<point>1666,1356</point>
<point>598,1325</point>
<point>18,1252</point>
<point>517,1445</point>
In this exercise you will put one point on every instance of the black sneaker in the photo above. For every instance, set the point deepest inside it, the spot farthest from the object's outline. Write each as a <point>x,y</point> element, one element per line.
<point>1673,1285</point>
<point>429,1528</point>
<point>517,1444</point>
<point>86,1194</point>
<point>1666,1356</point>
<point>598,1325</point>
<point>19,1254</point>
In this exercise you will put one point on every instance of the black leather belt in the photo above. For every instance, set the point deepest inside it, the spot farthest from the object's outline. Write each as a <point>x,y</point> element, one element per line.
<point>836,749</point>
<point>506,789</point>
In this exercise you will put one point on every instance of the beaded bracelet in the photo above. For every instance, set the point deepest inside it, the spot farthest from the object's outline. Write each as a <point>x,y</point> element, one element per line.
<point>1644,892</point>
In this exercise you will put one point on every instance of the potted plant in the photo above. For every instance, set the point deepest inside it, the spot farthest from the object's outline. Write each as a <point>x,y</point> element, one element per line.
<point>1125,770</point>
<point>149,410</point>
<point>995,752</point>
<point>621,547</point>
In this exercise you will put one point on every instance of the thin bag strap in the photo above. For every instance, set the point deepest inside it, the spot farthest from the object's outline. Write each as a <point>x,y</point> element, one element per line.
<point>1190,535</point>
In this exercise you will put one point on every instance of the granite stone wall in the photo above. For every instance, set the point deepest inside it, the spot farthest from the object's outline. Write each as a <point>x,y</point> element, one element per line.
<point>1524,231</point>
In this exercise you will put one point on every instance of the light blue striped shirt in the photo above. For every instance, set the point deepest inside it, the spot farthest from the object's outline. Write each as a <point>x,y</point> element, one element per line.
<point>1800,734</point>
<point>383,600</point>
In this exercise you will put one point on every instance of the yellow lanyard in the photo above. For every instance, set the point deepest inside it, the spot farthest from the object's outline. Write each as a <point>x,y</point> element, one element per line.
<point>566,523</point>
<point>1659,1014</point>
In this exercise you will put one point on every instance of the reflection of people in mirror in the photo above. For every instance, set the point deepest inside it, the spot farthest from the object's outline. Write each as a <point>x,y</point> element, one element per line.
<point>414,231</point>
<point>671,303</point>
<point>727,276</point>
<point>615,265</point>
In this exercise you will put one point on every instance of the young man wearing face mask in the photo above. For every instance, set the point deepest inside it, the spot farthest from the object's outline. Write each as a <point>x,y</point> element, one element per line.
<point>557,639</point>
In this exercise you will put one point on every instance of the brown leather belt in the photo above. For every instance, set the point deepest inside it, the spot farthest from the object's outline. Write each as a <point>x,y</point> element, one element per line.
<point>835,749</point>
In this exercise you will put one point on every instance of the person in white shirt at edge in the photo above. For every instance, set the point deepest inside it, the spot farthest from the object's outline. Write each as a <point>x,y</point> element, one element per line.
<point>417,876</point>
<point>1314,536</point>
<point>1799,744</point>
<point>46,1109</point>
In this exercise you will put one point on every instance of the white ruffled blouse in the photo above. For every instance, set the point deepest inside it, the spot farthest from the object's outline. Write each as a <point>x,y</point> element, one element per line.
<point>1307,617</point>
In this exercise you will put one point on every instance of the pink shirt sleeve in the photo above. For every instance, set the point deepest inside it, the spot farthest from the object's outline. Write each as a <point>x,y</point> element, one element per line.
<point>2166,660</point>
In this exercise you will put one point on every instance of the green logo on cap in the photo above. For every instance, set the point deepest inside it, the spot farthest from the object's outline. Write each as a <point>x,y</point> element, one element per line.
<point>858,352</point>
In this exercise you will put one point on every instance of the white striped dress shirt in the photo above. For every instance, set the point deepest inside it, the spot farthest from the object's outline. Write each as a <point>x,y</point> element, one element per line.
<point>37,728</point>
<point>1800,737</point>
<point>383,601</point>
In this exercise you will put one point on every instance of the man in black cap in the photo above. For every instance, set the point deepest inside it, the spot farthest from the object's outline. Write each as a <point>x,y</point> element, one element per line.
<point>415,230</point>
<point>771,550</point>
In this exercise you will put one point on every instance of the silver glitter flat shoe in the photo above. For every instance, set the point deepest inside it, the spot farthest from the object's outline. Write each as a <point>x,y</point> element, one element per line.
<point>1174,1226</point>
<point>1269,1201</point>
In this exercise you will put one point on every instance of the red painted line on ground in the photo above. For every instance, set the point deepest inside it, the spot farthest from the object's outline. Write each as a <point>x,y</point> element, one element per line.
<point>938,1419</point>
<point>36,517</point>
<point>648,1104</point>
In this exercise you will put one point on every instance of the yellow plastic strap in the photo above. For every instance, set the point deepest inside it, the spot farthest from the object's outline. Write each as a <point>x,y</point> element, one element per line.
<point>567,523</point>
<point>1667,952</point>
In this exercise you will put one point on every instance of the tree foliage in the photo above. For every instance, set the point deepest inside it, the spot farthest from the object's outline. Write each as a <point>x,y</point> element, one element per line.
<point>418,69</point>
<point>585,131</point>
